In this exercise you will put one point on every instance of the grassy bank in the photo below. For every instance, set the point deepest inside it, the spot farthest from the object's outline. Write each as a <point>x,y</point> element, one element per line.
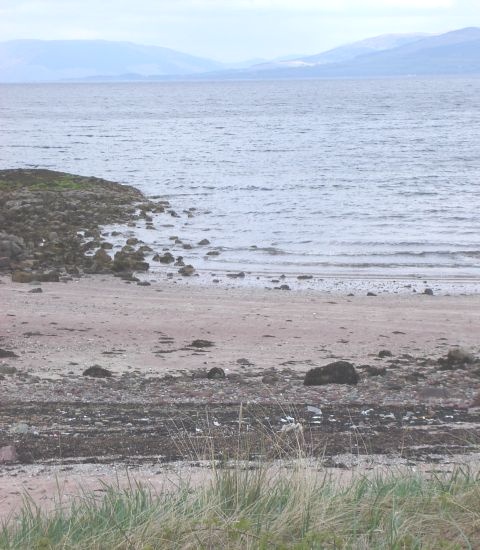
<point>261,508</point>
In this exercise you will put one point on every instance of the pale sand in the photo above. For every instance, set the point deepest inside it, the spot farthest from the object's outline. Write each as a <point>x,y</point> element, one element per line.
<point>78,321</point>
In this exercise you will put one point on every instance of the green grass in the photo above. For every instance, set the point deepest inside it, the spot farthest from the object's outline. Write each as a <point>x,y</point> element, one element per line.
<point>263,508</point>
<point>42,180</point>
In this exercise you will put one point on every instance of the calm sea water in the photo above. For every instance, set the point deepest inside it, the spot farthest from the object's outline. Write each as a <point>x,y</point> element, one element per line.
<point>311,176</point>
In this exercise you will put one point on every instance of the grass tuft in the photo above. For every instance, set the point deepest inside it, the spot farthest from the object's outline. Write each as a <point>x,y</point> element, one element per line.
<point>263,507</point>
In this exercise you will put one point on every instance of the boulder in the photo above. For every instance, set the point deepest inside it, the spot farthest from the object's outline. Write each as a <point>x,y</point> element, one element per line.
<point>4,354</point>
<point>11,246</point>
<point>167,258</point>
<point>339,372</point>
<point>97,372</point>
<point>48,277</point>
<point>201,344</point>
<point>22,277</point>
<point>8,454</point>
<point>216,373</point>
<point>456,359</point>
<point>203,242</point>
<point>187,270</point>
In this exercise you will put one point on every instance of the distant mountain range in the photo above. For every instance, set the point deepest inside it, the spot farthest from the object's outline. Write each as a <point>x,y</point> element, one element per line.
<point>345,53</point>
<point>452,53</point>
<point>47,60</point>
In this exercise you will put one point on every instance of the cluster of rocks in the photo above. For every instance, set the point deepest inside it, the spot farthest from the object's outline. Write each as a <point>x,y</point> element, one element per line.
<point>50,224</point>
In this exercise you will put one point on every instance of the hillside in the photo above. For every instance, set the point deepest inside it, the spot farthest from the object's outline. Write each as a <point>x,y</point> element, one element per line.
<point>40,60</point>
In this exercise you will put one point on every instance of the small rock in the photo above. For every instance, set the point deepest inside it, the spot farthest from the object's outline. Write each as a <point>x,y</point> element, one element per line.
<point>240,275</point>
<point>7,354</point>
<point>187,271</point>
<point>282,287</point>
<point>5,369</point>
<point>385,353</point>
<point>244,362</point>
<point>204,242</point>
<point>428,292</point>
<point>143,283</point>
<point>374,371</point>
<point>270,379</point>
<point>201,344</point>
<point>167,258</point>
<point>35,291</point>
<point>304,277</point>
<point>8,454</point>
<point>456,359</point>
<point>216,374</point>
<point>49,276</point>
<point>371,294</point>
<point>22,277</point>
<point>339,372</point>
<point>97,372</point>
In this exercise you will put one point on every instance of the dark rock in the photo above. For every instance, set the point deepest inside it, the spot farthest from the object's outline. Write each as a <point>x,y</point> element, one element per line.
<point>48,277</point>
<point>204,242</point>
<point>240,275</point>
<point>244,362</point>
<point>37,290</point>
<point>385,353</point>
<point>129,261</point>
<point>97,372</point>
<point>22,277</point>
<point>374,371</point>
<point>143,283</point>
<point>282,287</point>
<point>4,262</point>
<point>102,258</point>
<point>201,344</point>
<point>371,294</point>
<point>167,258</point>
<point>4,354</point>
<point>213,253</point>
<point>428,292</point>
<point>304,277</point>
<point>339,372</point>
<point>216,374</point>
<point>6,369</point>
<point>270,379</point>
<point>132,241</point>
<point>12,247</point>
<point>187,246</point>
<point>8,454</point>
<point>187,271</point>
<point>456,359</point>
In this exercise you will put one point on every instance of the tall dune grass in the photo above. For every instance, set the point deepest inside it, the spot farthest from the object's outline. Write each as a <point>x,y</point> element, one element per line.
<point>244,507</point>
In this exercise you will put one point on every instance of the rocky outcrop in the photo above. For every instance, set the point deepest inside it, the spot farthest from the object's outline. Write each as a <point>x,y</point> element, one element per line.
<point>339,372</point>
<point>50,221</point>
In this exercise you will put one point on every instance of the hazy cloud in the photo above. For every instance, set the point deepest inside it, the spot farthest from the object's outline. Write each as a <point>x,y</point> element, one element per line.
<point>232,29</point>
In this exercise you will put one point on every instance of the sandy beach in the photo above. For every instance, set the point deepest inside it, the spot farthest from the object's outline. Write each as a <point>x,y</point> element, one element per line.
<point>148,331</point>
<point>59,420</point>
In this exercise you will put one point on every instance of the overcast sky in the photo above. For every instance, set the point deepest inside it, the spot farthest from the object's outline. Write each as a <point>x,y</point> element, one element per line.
<point>232,30</point>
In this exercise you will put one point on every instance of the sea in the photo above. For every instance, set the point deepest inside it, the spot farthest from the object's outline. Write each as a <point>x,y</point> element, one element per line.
<point>348,177</point>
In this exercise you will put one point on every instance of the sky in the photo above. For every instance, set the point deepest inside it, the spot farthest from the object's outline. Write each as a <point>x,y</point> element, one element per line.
<point>232,30</point>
